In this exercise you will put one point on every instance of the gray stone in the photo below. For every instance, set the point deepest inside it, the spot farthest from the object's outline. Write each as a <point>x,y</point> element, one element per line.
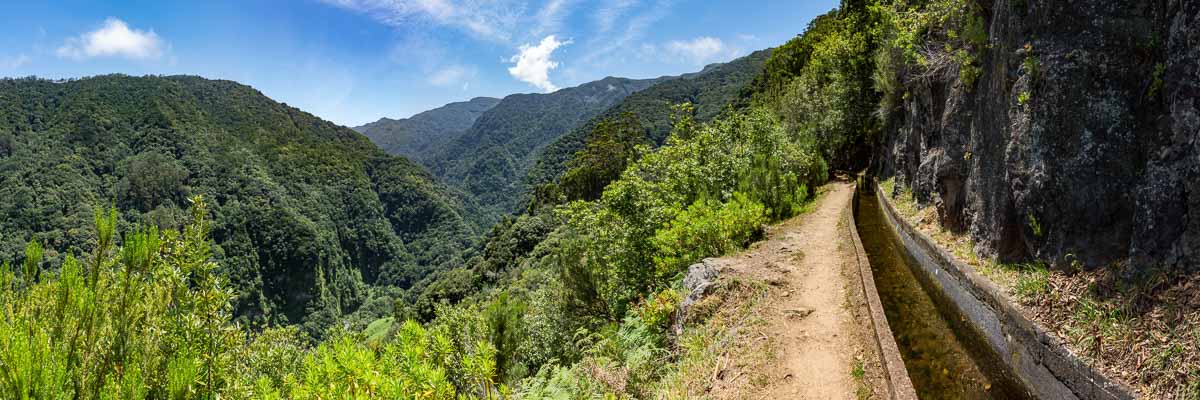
<point>1104,155</point>
<point>700,278</point>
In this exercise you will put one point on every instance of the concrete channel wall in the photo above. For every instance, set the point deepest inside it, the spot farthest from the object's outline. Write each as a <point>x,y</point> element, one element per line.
<point>1040,361</point>
<point>899,385</point>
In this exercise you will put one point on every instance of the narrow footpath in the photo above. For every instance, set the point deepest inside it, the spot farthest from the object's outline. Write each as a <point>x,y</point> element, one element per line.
<point>815,315</point>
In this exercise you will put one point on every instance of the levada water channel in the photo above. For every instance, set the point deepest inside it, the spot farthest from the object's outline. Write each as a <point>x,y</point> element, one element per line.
<point>943,356</point>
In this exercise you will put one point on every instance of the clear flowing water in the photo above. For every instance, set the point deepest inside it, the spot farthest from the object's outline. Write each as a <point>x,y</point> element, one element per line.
<point>937,352</point>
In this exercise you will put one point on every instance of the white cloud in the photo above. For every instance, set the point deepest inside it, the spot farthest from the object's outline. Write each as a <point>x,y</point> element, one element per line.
<point>14,62</point>
<point>533,63</point>
<point>453,75</point>
<point>700,50</point>
<point>487,19</point>
<point>113,39</point>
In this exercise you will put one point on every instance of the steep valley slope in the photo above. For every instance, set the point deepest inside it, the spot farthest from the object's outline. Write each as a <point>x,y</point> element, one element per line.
<point>710,91</point>
<point>424,134</point>
<point>307,214</point>
<point>525,140</point>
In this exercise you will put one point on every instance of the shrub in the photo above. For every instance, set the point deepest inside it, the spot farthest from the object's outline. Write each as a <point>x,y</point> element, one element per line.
<point>147,319</point>
<point>705,229</point>
<point>656,312</point>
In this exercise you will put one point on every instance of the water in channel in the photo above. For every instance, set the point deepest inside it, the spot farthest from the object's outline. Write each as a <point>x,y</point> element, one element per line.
<point>938,354</point>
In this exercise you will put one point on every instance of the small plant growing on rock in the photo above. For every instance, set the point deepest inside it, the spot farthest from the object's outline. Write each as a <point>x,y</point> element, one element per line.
<point>1023,97</point>
<point>1156,80</point>
<point>1032,282</point>
<point>968,67</point>
<point>1031,64</point>
<point>1033,224</point>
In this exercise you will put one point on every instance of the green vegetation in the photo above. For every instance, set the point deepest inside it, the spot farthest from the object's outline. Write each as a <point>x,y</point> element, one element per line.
<point>709,92</point>
<point>606,315</point>
<point>1095,325</point>
<point>859,374</point>
<point>334,268</point>
<point>423,135</point>
<point>594,262</point>
<point>1032,281</point>
<point>147,319</point>
<point>1031,64</point>
<point>1035,226</point>
<point>150,318</point>
<point>489,160</point>
<point>642,219</point>
<point>611,146</point>
<point>943,38</point>
<point>832,95</point>
<point>1156,80</point>
<point>309,219</point>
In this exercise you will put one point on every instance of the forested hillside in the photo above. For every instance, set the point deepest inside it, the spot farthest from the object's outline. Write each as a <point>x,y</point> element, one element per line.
<point>570,299</point>
<point>709,91</point>
<point>426,133</point>
<point>307,216</point>
<point>237,208</point>
<point>489,159</point>
<point>525,140</point>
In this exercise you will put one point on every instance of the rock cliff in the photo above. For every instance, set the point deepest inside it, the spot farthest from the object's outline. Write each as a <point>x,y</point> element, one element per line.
<point>1078,144</point>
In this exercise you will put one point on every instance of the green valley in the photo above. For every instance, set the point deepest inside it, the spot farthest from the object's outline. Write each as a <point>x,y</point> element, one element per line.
<point>179,237</point>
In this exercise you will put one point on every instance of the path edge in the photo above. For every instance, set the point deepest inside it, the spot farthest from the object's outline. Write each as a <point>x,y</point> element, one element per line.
<point>1039,360</point>
<point>899,385</point>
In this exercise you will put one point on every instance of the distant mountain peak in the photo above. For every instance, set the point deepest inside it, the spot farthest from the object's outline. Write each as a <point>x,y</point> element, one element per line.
<point>414,137</point>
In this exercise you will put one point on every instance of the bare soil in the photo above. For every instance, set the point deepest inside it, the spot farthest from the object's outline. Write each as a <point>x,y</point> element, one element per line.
<point>815,318</point>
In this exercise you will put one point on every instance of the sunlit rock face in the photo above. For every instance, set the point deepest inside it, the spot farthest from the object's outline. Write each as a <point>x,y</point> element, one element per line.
<point>1078,144</point>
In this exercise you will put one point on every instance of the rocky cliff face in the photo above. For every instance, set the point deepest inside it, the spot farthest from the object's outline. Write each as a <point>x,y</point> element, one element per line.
<point>1079,142</point>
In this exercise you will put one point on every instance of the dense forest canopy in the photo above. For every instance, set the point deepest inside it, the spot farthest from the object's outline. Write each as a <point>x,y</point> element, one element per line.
<point>579,280</point>
<point>709,92</point>
<point>488,158</point>
<point>239,209</point>
<point>307,215</point>
<point>419,137</point>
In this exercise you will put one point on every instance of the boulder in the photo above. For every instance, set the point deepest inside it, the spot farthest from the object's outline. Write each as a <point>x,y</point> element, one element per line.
<point>700,278</point>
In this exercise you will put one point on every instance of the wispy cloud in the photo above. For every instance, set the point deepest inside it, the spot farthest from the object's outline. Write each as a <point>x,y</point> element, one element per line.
<point>533,63</point>
<point>489,20</point>
<point>701,50</point>
<point>549,18</point>
<point>604,46</point>
<point>606,16</point>
<point>14,62</point>
<point>453,75</point>
<point>113,39</point>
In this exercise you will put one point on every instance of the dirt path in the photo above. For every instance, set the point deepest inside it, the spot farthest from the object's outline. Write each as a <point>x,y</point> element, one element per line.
<point>814,316</point>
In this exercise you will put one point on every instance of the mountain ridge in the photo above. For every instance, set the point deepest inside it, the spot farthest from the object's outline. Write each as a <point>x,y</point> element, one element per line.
<point>709,90</point>
<point>415,136</point>
<point>490,159</point>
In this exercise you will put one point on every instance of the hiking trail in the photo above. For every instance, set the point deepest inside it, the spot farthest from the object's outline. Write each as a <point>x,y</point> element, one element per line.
<point>814,315</point>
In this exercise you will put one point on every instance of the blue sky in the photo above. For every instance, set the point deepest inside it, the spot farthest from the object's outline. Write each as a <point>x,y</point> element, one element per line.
<point>354,61</point>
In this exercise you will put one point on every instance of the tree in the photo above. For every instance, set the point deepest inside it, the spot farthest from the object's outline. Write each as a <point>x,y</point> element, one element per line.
<point>153,179</point>
<point>611,146</point>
